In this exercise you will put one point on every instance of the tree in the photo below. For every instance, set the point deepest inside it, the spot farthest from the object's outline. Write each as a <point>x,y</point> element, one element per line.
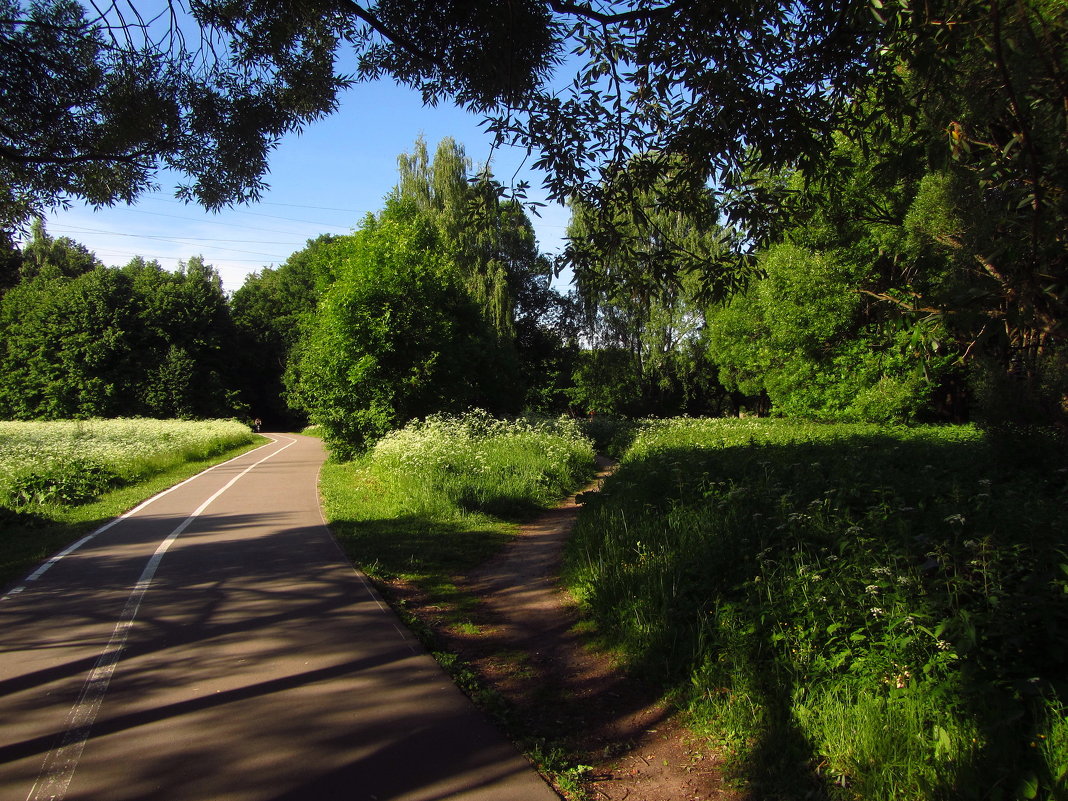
<point>44,256</point>
<point>10,262</point>
<point>186,349</point>
<point>646,355</point>
<point>66,346</point>
<point>721,84</point>
<point>396,336</point>
<point>491,243</point>
<point>612,100</point>
<point>107,343</point>
<point>990,88</point>
<point>95,102</point>
<point>808,339</point>
<point>270,311</point>
<point>950,183</point>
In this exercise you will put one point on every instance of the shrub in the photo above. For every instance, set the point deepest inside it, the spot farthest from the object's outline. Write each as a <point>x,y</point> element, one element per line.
<point>62,483</point>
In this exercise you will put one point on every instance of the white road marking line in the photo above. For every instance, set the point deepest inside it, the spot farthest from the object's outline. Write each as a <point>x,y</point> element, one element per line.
<point>40,571</point>
<point>61,762</point>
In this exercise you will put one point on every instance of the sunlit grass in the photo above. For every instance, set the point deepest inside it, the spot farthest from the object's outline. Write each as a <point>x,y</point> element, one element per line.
<point>437,497</point>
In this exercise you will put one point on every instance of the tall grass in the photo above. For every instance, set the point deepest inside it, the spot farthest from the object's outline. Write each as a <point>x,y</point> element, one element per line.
<point>859,612</point>
<point>68,462</point>
<point>439,495</point>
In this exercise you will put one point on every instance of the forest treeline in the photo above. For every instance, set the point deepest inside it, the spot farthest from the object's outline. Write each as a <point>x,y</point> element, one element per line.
<point>864,308</point>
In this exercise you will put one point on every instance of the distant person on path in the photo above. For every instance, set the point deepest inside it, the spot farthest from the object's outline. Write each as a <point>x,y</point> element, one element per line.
<point>256,425</point>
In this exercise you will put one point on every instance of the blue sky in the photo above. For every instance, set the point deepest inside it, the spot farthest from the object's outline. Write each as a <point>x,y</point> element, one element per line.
<point>321,181</point>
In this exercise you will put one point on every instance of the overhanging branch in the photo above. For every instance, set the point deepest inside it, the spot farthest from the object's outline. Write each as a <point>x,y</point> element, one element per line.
<point>583,10</point>
<point>393,35</point>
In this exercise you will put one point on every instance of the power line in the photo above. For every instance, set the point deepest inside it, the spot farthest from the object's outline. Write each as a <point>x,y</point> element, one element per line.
<point>360,212</point>
<point>114,254</point>
<point>195,242</point>
<point>232,225</point>
<point>80,229</point>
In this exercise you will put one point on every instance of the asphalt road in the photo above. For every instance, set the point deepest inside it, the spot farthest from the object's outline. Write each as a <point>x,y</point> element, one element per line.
<point>216,645</point>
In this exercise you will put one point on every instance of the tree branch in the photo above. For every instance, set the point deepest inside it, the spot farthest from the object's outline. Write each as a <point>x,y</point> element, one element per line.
<point>902,304</point>
<point>8,153</point>
<point>583,10</point>
<point>394,36</point>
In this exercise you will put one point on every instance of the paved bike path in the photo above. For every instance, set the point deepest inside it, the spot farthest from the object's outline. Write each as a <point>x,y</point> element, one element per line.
<point>226,650</point>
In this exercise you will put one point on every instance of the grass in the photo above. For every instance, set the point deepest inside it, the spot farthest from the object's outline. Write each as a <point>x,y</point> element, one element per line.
<point>438,497</point>
<point>858,612</point>
<point>61,479</point>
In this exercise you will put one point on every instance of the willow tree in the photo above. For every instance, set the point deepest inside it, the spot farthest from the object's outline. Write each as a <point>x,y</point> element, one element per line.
<point>645,352</point>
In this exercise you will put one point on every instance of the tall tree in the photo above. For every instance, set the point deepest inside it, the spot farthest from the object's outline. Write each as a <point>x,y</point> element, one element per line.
<point>990,91</point>
<point>270,311</point>
<point>10,262</point>
<point>396,336</point>
<point>645,353</point>
<point>694,94</point>
<point>950,185</point>
<point>479,236</point>
<point>43,255</point>
<point>491,242</point>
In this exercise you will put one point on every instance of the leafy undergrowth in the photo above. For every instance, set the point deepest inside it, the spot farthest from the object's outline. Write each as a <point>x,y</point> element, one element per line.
<point>61,478</point>
<point>858,612</point>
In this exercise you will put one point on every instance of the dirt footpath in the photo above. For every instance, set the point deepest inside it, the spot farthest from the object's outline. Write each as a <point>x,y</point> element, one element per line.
<point>526,649</point>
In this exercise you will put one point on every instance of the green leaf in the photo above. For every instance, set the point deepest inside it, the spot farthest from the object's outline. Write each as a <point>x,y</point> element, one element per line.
<point>1028,787</point>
